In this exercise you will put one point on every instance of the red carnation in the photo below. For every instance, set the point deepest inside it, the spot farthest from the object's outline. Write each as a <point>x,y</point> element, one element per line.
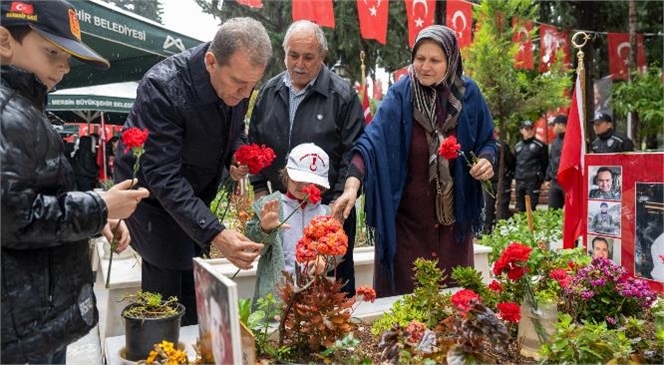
<point>367,293</point>
<point>312,193</point>
<point>496,287</point>
<point>255,157</point>
<point>462,299</point>
<point>134,138</point>
<point>509,311</point>
<point>449,148</point>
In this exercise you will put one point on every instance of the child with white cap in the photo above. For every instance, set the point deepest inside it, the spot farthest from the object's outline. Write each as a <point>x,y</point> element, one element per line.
<point>307,164</point>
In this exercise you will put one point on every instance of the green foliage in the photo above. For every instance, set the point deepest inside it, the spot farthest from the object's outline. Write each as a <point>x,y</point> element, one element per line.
<point>547,229</point>
<point>513,95</point>
<point>574,343</point>
<point>152,10</point>
<point>345,351</point>
<point>468,278</point>
<point>643,95</point>
<point>259,323</point>
<point>147,304</point>
<point>426,304</point>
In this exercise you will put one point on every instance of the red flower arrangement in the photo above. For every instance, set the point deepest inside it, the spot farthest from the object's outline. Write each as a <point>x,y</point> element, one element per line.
<point>323,236</point>
<point>255,157</point>
<point>463,299</point>
<point>450,149</point>
<point>509,311</point>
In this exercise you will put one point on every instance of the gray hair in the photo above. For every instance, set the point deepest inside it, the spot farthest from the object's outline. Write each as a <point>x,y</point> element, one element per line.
<point>242,34</point>
<point>307,26</point>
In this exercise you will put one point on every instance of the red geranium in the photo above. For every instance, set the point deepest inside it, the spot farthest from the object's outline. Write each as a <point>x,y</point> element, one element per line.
<point>560,275</point>
<point>509,311</point>
<point>496,287</point>
<point>462,299</point>
<point>312,193</point>
<point>134,138</point>
<point>255,157</point>
<point>513,261</point>
<point>449,148</point>
<point>367,293</point>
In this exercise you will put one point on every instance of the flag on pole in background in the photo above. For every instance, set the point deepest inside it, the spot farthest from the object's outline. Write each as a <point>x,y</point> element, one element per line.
<point>101,151</point>
<point>366,106</point>
<point>320,12</point>
<point>571,171</point>
<point>258,4</point>
<point>372,15</point>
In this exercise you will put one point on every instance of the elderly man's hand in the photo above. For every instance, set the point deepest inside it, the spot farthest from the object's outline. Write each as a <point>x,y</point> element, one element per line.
<point>237,248</point>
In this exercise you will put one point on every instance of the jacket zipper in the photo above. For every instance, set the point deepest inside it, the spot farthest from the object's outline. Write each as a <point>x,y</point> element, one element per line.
<point>49,278</point>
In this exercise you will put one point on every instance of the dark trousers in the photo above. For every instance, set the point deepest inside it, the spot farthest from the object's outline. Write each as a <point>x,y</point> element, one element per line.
<point>178,283</point>
<point>492,207</point>
<point>346,269</point>
<point>556,196</point>
<point>530,187</point>
<point>58,357</point>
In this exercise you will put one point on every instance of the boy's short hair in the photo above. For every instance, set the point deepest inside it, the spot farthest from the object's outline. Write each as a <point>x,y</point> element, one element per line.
<point>19,32</point>
<point>56,21</point>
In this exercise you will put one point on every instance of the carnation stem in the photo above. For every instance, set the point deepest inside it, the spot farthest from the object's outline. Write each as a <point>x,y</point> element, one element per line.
<point>114,241</point>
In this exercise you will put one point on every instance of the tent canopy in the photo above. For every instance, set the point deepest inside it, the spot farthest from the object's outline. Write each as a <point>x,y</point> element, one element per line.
<point>130,42</point>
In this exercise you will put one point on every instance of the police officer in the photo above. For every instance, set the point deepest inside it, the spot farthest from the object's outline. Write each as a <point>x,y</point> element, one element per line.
<point>556,193</point>
<point>607,140</point>
<point>531,162</point>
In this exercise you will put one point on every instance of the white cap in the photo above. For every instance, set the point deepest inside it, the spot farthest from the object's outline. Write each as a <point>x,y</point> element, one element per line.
<point>309,163</point>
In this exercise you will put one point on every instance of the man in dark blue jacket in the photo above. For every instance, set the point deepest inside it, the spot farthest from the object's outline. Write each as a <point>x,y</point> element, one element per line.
<point>309,104</point>
<point>193,106</point>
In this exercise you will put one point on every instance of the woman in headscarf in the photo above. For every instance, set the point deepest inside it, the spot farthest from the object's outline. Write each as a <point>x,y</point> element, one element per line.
<point>419,203</point>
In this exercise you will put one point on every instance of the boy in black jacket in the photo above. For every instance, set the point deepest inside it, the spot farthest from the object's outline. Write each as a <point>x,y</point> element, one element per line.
<point>47,297</point>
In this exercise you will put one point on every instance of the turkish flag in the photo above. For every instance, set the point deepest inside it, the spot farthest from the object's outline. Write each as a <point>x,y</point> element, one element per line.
<point>420,15</point>
<point>524,57</point>
<point>460,19</point>
<point>551,40</point>
<point>619,54</point>
<point>258,4</point>
<point>377,90</point>
<point>373,19</point>
<point>398,74</point>
<point>366,106</point>
<point>320,12</point>
<point>23,8</point>
<point>571,169</point>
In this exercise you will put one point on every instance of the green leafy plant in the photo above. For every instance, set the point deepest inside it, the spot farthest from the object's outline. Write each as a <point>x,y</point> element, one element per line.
<point>589,343</point>
<point>258,322</point>
<point>345,351</point>
<point>426,304</point>
<point>150,305</point>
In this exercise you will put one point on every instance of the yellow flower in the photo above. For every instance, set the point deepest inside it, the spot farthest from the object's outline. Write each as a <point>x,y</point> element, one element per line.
<point>151,357</point>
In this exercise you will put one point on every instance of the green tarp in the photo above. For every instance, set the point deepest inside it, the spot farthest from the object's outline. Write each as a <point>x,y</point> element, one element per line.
<point>131,43</point>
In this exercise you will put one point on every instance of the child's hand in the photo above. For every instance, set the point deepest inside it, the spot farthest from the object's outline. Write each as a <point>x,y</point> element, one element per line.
<point>270,216</point>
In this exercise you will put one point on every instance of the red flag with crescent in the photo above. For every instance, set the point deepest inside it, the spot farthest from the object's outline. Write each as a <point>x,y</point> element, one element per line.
<point>373,19</point>
<point>366,105</point>
<point>320,12</point>
<point>398,74</point>
<point>258,4</point>
<point>521,34</point>
<point>459,18</point>
<point>551,40</point>
<point>377,90</point>
<point>619,48</point>
<point>420,15</point>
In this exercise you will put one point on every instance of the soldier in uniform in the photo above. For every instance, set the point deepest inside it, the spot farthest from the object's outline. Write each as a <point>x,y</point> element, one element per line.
<point>602,221</point>
<point>556,193</point>
<point>607,140</point>
<point>604,181</point>
<point>531,162</point>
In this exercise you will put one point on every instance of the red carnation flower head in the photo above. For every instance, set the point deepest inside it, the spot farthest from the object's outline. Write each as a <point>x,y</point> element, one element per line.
<point>513,261</point>
<point>463,299</point>
<point>255,157</point>
<point>509,311</point>
<point>368,294</point>
<point>134,138</point>
<point>449,148</point>
<point>311,193</point>
<point>323,236</point>
<point>496,286</point>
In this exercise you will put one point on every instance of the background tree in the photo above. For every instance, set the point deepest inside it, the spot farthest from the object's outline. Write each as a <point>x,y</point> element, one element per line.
<point>513,95</point>
<point>152,9</point>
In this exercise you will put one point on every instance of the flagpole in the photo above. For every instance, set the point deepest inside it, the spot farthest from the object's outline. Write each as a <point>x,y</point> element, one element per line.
<point>580,68</point>
<point>364,73</point>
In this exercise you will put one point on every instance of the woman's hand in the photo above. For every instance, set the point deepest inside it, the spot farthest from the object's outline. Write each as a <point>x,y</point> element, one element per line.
<point>346,201</point>
<point>482,170</point>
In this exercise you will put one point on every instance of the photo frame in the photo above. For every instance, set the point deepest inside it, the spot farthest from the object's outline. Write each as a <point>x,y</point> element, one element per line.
<point>604,218</point>
<point>598,244</point>
<point>605,182</point>
<point>649,243</point>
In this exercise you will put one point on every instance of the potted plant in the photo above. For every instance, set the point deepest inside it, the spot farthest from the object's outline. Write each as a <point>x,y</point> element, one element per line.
<point>149,320</point>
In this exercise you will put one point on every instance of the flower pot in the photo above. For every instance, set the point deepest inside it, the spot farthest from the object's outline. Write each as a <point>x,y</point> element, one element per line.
<point>142,334</point>
<point>536,326</point>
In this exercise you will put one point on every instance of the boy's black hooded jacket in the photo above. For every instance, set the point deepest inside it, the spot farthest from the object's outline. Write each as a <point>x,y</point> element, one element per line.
<point>47,297</point>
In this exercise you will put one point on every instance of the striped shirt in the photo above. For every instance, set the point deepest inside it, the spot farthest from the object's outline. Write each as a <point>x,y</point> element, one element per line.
<point>295,98</point>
